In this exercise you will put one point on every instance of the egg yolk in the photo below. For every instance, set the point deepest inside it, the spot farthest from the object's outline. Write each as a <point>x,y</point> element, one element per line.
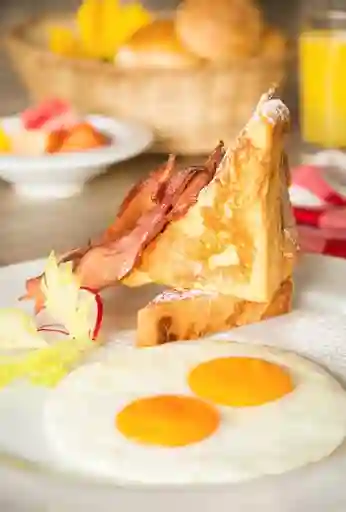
<point>240,381</point>
<point>168,420</point>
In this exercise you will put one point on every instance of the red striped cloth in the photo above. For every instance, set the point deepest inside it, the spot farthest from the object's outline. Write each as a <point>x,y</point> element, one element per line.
<point>322,228</point>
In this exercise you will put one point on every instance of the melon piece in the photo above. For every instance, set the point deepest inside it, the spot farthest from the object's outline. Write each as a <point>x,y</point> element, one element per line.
<point>55,140</point>
<point>34,118</point>
<point>81,137</point>
<point>29,142</point>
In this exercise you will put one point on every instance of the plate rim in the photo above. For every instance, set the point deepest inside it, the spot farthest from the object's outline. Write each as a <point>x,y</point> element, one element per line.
<point>16,472</point>
<point>134,131</point>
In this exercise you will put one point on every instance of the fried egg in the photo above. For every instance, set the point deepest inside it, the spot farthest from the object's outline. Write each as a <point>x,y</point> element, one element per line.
<point>195,412</point>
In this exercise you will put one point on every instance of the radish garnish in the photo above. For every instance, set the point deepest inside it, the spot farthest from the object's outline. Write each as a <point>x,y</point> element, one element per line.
<point>53,334</point>
<point>53,328</point>
<point>47,326</point>
<point>79,310</point>
<point>61,334</point>
<point>98,315</point>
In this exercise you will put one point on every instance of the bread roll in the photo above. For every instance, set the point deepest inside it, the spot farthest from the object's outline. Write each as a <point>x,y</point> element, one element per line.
<point>220,30</point>
<point>156,46</point>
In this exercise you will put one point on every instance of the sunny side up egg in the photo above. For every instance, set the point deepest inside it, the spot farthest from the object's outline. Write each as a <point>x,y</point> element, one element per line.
<point>197,412</point>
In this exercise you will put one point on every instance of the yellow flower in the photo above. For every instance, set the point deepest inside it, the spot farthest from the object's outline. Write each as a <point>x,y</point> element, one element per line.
<point>63,41</point>
<point>104,25</point>
<point>47,364</point>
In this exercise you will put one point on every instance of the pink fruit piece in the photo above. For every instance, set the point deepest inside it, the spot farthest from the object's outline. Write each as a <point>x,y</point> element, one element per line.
<point>61,122</point>
<point>34,118</point>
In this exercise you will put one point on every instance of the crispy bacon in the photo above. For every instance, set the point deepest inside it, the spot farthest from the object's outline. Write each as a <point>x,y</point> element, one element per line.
<point>165,196</point>
<point>141,198</point>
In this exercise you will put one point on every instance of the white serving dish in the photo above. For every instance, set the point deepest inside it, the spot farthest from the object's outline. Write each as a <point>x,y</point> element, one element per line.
<point>65,174</point>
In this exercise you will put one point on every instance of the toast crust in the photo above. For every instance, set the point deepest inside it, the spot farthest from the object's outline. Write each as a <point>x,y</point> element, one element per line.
<point>188,315</point>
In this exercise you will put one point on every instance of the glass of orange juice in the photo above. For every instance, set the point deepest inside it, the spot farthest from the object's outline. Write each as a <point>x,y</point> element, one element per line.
<point>322,76</point>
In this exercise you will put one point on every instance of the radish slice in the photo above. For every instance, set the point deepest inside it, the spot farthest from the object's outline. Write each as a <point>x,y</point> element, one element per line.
<point>63,121</point>
<point>79,310</point>
<point>98,313</point>
<point>49,330</point>
<point>52,330</point>
<point>61,334</point>
<point>46,323</point>
<point>51,336</point>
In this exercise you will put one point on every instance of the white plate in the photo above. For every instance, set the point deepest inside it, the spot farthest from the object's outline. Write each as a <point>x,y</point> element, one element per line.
<point>316,328</point>
<point>64,174</point>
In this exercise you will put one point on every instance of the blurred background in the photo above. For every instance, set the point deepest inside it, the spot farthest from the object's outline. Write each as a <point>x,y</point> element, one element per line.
<point>283,14</point>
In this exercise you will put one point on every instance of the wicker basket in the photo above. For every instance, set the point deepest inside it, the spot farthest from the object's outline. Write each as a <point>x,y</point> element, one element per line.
<point>189,110</point>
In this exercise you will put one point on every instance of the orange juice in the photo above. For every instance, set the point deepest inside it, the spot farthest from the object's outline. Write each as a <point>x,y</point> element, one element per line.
<point>322,57</point>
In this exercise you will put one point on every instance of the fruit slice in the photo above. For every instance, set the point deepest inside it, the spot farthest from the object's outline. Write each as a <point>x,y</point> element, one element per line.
<point>29,142</point>
<point>55,140</point>
<point>35,118</point>
<point>64,122</point>
<point>83,136</point>
<point>5,142</point>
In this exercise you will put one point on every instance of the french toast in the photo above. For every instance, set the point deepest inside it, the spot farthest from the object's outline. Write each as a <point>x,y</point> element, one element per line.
<point>238,238</point>
<point>191,314</point>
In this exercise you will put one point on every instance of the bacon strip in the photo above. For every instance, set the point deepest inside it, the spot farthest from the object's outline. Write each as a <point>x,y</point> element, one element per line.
<point>148,208</point>
<point>141,198</point>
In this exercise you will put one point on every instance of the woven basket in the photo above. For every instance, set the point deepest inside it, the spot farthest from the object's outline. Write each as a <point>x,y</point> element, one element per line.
<point>189,110</point>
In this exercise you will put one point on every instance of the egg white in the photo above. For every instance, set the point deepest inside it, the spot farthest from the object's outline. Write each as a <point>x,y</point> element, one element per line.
<point>302,427</point>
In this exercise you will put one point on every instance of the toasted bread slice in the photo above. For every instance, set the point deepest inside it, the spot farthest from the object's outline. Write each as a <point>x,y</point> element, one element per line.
<point>187,315</point>
<point>238,238</point>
